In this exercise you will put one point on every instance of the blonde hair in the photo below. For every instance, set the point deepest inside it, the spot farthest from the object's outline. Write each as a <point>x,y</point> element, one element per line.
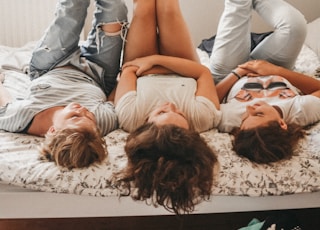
<point>71,148</point>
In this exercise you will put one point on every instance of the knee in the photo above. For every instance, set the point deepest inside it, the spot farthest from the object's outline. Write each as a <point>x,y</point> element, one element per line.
<point>295,24</point>
<point>169,11</point>
<point>112,28</point>
<point>144,9</point>
<point>300,27</point>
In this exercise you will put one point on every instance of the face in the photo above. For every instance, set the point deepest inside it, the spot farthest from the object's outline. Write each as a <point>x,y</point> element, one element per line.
<point>74,116</point>
<point>168,114</point>
<point>259,114</point>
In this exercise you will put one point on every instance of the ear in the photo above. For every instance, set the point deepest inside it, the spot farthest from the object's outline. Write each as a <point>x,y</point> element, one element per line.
<point>51,130</point>
<point>283,124</point>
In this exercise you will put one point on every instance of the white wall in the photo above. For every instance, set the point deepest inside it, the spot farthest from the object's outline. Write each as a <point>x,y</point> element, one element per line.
<point>25,20</point>
<point>202,16</point>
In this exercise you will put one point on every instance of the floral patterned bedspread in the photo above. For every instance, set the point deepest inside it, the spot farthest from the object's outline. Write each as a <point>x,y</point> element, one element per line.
<point>19,164</point>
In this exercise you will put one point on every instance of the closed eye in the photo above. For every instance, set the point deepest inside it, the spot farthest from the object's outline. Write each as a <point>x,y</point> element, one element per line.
<point>259,114</point>
<point>277,85</point>
<point>252,86</point>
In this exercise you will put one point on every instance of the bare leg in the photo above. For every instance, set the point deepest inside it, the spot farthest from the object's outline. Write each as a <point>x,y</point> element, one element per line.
<point>111,27</point>
<point>142,35</point>
<point>174,36</point>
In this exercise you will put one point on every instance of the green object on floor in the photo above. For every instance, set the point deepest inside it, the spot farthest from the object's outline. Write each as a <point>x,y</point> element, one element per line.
<point>254,224</point>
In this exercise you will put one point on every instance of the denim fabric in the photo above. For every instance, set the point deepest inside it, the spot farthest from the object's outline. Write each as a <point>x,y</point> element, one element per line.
<point>232,44</point>
<point>99,56</point>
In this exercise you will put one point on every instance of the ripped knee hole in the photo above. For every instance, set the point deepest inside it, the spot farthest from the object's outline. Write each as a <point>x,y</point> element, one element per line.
<point>112,28</point>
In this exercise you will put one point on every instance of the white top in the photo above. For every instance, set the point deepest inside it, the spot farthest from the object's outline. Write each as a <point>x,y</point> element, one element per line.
<point>301,109</point>
<point>134,107</point>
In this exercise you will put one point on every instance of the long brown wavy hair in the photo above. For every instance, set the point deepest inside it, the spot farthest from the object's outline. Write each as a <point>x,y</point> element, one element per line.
<point>267,144</point>
<point>170,165</point>
<point>71,148</point>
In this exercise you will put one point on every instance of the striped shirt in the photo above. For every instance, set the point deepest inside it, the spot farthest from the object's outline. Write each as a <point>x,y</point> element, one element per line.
<point>59,87</point>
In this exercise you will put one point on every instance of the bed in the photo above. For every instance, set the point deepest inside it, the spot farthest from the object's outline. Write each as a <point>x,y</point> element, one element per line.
<point>38,195</point>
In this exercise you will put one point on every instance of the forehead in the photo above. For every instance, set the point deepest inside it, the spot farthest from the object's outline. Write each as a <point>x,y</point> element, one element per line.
<point>81,124</point>
<point>269,78</point>
<point>169,116</point>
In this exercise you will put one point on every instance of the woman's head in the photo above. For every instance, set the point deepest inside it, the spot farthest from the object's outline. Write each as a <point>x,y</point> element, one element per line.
<point>171,165</point>
<point>168,114</point>
<point>261,114</point>
<point>72,148</point>
<point>266,144</point>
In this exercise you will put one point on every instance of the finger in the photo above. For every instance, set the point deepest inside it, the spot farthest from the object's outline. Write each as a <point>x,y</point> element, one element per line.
<point>244,65</point>
<point>252,75</point>
<point>139,72</point>
<point>125,65</point>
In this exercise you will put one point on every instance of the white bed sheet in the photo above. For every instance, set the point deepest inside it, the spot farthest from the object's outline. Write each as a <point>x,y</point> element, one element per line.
<point>237,177</point>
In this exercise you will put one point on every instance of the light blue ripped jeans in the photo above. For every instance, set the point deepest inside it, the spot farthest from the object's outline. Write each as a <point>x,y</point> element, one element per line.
<point>232,43</point>
<point>99,56</point>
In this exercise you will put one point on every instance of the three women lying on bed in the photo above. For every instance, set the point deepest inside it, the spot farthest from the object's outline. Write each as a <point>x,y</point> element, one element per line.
<point>168,161</point>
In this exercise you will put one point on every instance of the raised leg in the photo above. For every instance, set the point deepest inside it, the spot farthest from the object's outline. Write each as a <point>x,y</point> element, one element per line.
<point>232,43</point>
<point>142,36</point>
<point>174,36</point>
<point>105,41</point>
<point>284,44</point>
<point>61,38</point>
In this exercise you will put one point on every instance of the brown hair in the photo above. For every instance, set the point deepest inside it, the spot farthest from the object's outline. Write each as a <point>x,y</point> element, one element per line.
<point>171,165</point>
<point>267,144</point>
<point>73,149</point>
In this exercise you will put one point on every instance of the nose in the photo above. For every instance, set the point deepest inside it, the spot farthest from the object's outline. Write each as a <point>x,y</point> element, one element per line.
<point>74,105</point>
<point>171,106</point>
<point>250,109</point>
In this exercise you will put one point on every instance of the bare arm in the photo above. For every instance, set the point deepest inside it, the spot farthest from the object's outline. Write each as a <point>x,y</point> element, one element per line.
<point>127,82</point>
<point>183,67</point>
<point>307,84</point>
<point>226,84</point>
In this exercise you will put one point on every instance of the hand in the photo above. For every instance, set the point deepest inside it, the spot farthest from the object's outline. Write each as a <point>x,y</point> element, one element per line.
<point>143,64</point>
<point>129,69</point>
<point>256,68</point>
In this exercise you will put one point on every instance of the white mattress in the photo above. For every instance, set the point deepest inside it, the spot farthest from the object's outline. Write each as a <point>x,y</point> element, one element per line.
<point>239,184</point>
<point>17,202</point>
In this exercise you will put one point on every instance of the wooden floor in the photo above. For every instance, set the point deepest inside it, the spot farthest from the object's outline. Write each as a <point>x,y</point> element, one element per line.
<point>308,218</point>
